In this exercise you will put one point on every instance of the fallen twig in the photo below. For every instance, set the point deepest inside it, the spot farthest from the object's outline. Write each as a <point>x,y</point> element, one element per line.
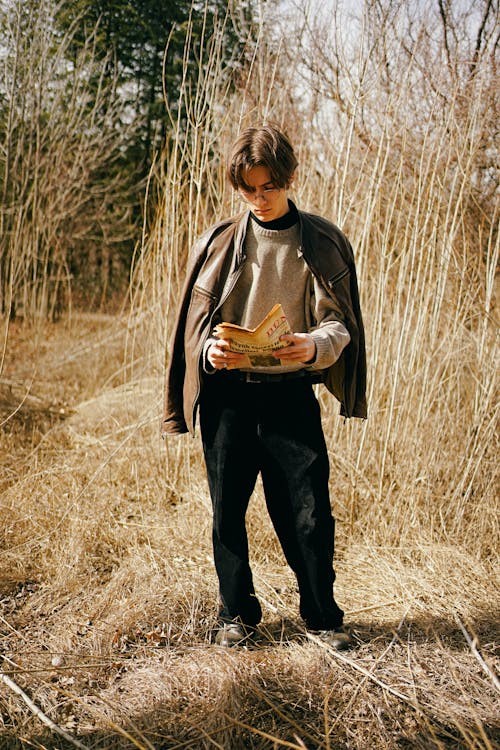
<point>359,668</point>
<point>379,605</point>
<point>472,643</point>
<point>38,711</point>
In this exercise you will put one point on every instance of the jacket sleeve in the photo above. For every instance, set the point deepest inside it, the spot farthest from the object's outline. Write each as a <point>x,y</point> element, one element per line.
<point>329,332</point>
<point>347,377</point>
<point>173,412</point>
<point>332,261</point>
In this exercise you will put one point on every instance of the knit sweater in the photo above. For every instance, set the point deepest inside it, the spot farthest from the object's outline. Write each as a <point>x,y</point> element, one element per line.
<point>274,271</point>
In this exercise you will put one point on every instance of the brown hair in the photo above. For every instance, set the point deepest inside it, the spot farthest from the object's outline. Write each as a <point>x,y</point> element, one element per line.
<point>265,146</point>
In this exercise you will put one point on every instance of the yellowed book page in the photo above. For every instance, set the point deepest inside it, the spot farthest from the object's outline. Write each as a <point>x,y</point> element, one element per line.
<point>257,343</point>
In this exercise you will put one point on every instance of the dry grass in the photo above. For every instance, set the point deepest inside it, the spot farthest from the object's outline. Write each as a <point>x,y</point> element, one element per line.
<point>106,564</point>
<point>105,559</point>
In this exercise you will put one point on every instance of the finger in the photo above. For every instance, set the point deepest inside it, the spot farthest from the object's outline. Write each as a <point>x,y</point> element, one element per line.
<point>226,358</point>
<point>223,344</point>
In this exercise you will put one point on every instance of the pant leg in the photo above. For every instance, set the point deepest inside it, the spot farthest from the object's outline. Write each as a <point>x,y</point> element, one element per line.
<point>295,473</point>
<point>230,447</point>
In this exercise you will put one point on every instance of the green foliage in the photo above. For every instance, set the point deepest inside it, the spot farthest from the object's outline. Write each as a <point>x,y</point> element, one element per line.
<point>132,37</point>
<point>65,213</point>
<point>88,92</point>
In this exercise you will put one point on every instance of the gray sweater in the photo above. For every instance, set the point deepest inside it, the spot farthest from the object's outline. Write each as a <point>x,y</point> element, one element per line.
<point>274,271</point>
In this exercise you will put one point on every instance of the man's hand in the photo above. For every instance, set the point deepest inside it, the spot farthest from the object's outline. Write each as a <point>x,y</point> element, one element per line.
<point>220,355</point>
<point>300,348</point>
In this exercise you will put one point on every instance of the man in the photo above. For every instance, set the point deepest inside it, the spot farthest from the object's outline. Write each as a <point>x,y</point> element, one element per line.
<point>266,419</point>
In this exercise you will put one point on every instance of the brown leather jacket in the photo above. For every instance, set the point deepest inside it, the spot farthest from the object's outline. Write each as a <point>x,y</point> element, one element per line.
<point>214,266</point>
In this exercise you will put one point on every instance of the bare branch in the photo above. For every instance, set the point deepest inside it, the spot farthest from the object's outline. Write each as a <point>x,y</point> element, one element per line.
<point>9,682</point>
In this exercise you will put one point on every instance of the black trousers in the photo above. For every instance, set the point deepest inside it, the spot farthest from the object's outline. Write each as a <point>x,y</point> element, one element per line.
<point>274,429</point>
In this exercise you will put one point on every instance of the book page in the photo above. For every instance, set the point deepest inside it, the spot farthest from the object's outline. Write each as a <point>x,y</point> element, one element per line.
<point>257,343</point>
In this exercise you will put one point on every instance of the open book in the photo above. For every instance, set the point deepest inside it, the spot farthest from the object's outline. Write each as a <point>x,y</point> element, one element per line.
<point>257,343</point>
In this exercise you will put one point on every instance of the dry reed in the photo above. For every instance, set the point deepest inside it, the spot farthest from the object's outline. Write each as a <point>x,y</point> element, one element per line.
<point>106,560</point>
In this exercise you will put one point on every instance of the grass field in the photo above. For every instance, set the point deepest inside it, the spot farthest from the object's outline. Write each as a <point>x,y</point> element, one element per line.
<point>108,596</point>
<point>109,599</point>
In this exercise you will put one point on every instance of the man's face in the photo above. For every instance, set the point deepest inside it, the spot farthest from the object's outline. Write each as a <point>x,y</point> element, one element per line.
<point>266,201</point>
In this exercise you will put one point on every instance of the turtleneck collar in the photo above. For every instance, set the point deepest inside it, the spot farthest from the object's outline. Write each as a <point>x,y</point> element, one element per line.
<point>284,222</point>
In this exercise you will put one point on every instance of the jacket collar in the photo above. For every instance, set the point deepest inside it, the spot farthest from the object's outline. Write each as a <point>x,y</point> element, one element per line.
<point>239,236</point>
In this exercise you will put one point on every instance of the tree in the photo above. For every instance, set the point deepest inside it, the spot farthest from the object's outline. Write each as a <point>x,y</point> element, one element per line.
<point>132,36</point>
<point>63,207</point>
<point>82,113</point>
